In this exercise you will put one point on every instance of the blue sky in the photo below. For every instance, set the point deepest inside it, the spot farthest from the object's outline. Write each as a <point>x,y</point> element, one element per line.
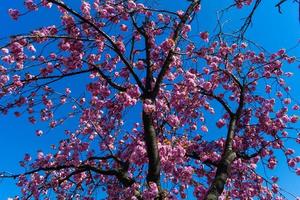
<point>270,29</point>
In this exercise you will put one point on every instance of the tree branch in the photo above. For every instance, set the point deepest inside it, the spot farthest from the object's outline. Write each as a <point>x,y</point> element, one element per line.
<point>220,100</point>
<point>278,5</point>
<point>115,47</point>
<point>106,78</point>
<point>206,162</point>
<point>175,38</point>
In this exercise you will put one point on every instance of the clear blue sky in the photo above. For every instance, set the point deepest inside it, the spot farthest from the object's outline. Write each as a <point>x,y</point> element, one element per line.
<point>270,29</point>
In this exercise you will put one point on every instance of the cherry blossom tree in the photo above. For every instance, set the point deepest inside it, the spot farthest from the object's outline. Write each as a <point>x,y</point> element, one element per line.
<point>138,58</point>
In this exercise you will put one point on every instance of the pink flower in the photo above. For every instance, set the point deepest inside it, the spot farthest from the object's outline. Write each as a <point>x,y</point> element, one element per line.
<point>204,128</point>
<point>298,171</point>
<point>187,28</point>
<point>139,64</point>
<point>186,173</point>
<point>131,5</point>
<point>5,50</point>
<point>173,120</point>
<point>68,91</point>
<point>204,36</point>
<point>63,100</point>
<point>296,107</point>
<point>148,106</point>
<point>160,17</point>
<point>31,48</point>
<point>121,46</point>
<point>289,152</point>
<point>275,188</point>
<point>85,8</point>
<point>124,27</point>
<point>284,133</point>
<point>272,163</point>
<point>46,3</point>
<point>39,132</point>
<point>168,44</point>
<point>207,86</point>
<point>4,79</point>
<point>17,114</point>
<point>14,13</point>
<point>53,124</point>
<point>27,157</point>
<point>281,52</point>
<point>287,101</point>
<point>151,192</point>
<point>221,123</point>
<point>40,155</point>
<point>30,5</point>
<point>180,13</point>
<point>274,179</point>
<point>244,45</point>
<point>291,163</point>
<point>294,119</point>
<point>268,88</point>
<point>194,127</point>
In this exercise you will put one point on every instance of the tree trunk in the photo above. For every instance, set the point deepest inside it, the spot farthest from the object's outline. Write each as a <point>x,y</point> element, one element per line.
<point>152,150</point>
<point>223,168</point>
<point>223,171</point>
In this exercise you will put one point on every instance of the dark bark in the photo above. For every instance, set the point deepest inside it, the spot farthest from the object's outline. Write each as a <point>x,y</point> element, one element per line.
<point>223,168</point>
<point>222,174</point>
<point>152,149</point>
<point>106,36</point>
<point>176,37</point>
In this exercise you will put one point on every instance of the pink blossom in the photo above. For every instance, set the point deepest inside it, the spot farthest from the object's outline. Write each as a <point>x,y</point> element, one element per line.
<point>272,163</point>
<point>121,46</point>
<point>39,132</point>
<point>294,119</point>
<point>204,128</point>
<point>275,188</point>
<point>207,86</point>
<point>298,171</point>
<point>148,106</point>
<point>168,44</point>
<point>296,107</point>
<point>140,65</point>
<point>85,8</point>
<point>124,27</point>
<point>204,36</point>
<point>289,152</point>
<point>131,4</point>
<point>4,79</point>
<point>291,162</point>
<point>5,50</point>
<point>68,91</point>
<point>287,101</point>
<point>27,157</point>
<point>160,17</point>
<point>31,48</point>
<point>244,45</point>
<point>194,127</point>
<point>30,5</point>
<point>17,114</point>
<point>180,13</point>
<point>274,179</point>
<point>14,13</point>
<point>152,192</point>
<point>221,123</point>
<point>281,52</point>
<point>173,120</point>
<point>40,155</point>
<point>268,88</point>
